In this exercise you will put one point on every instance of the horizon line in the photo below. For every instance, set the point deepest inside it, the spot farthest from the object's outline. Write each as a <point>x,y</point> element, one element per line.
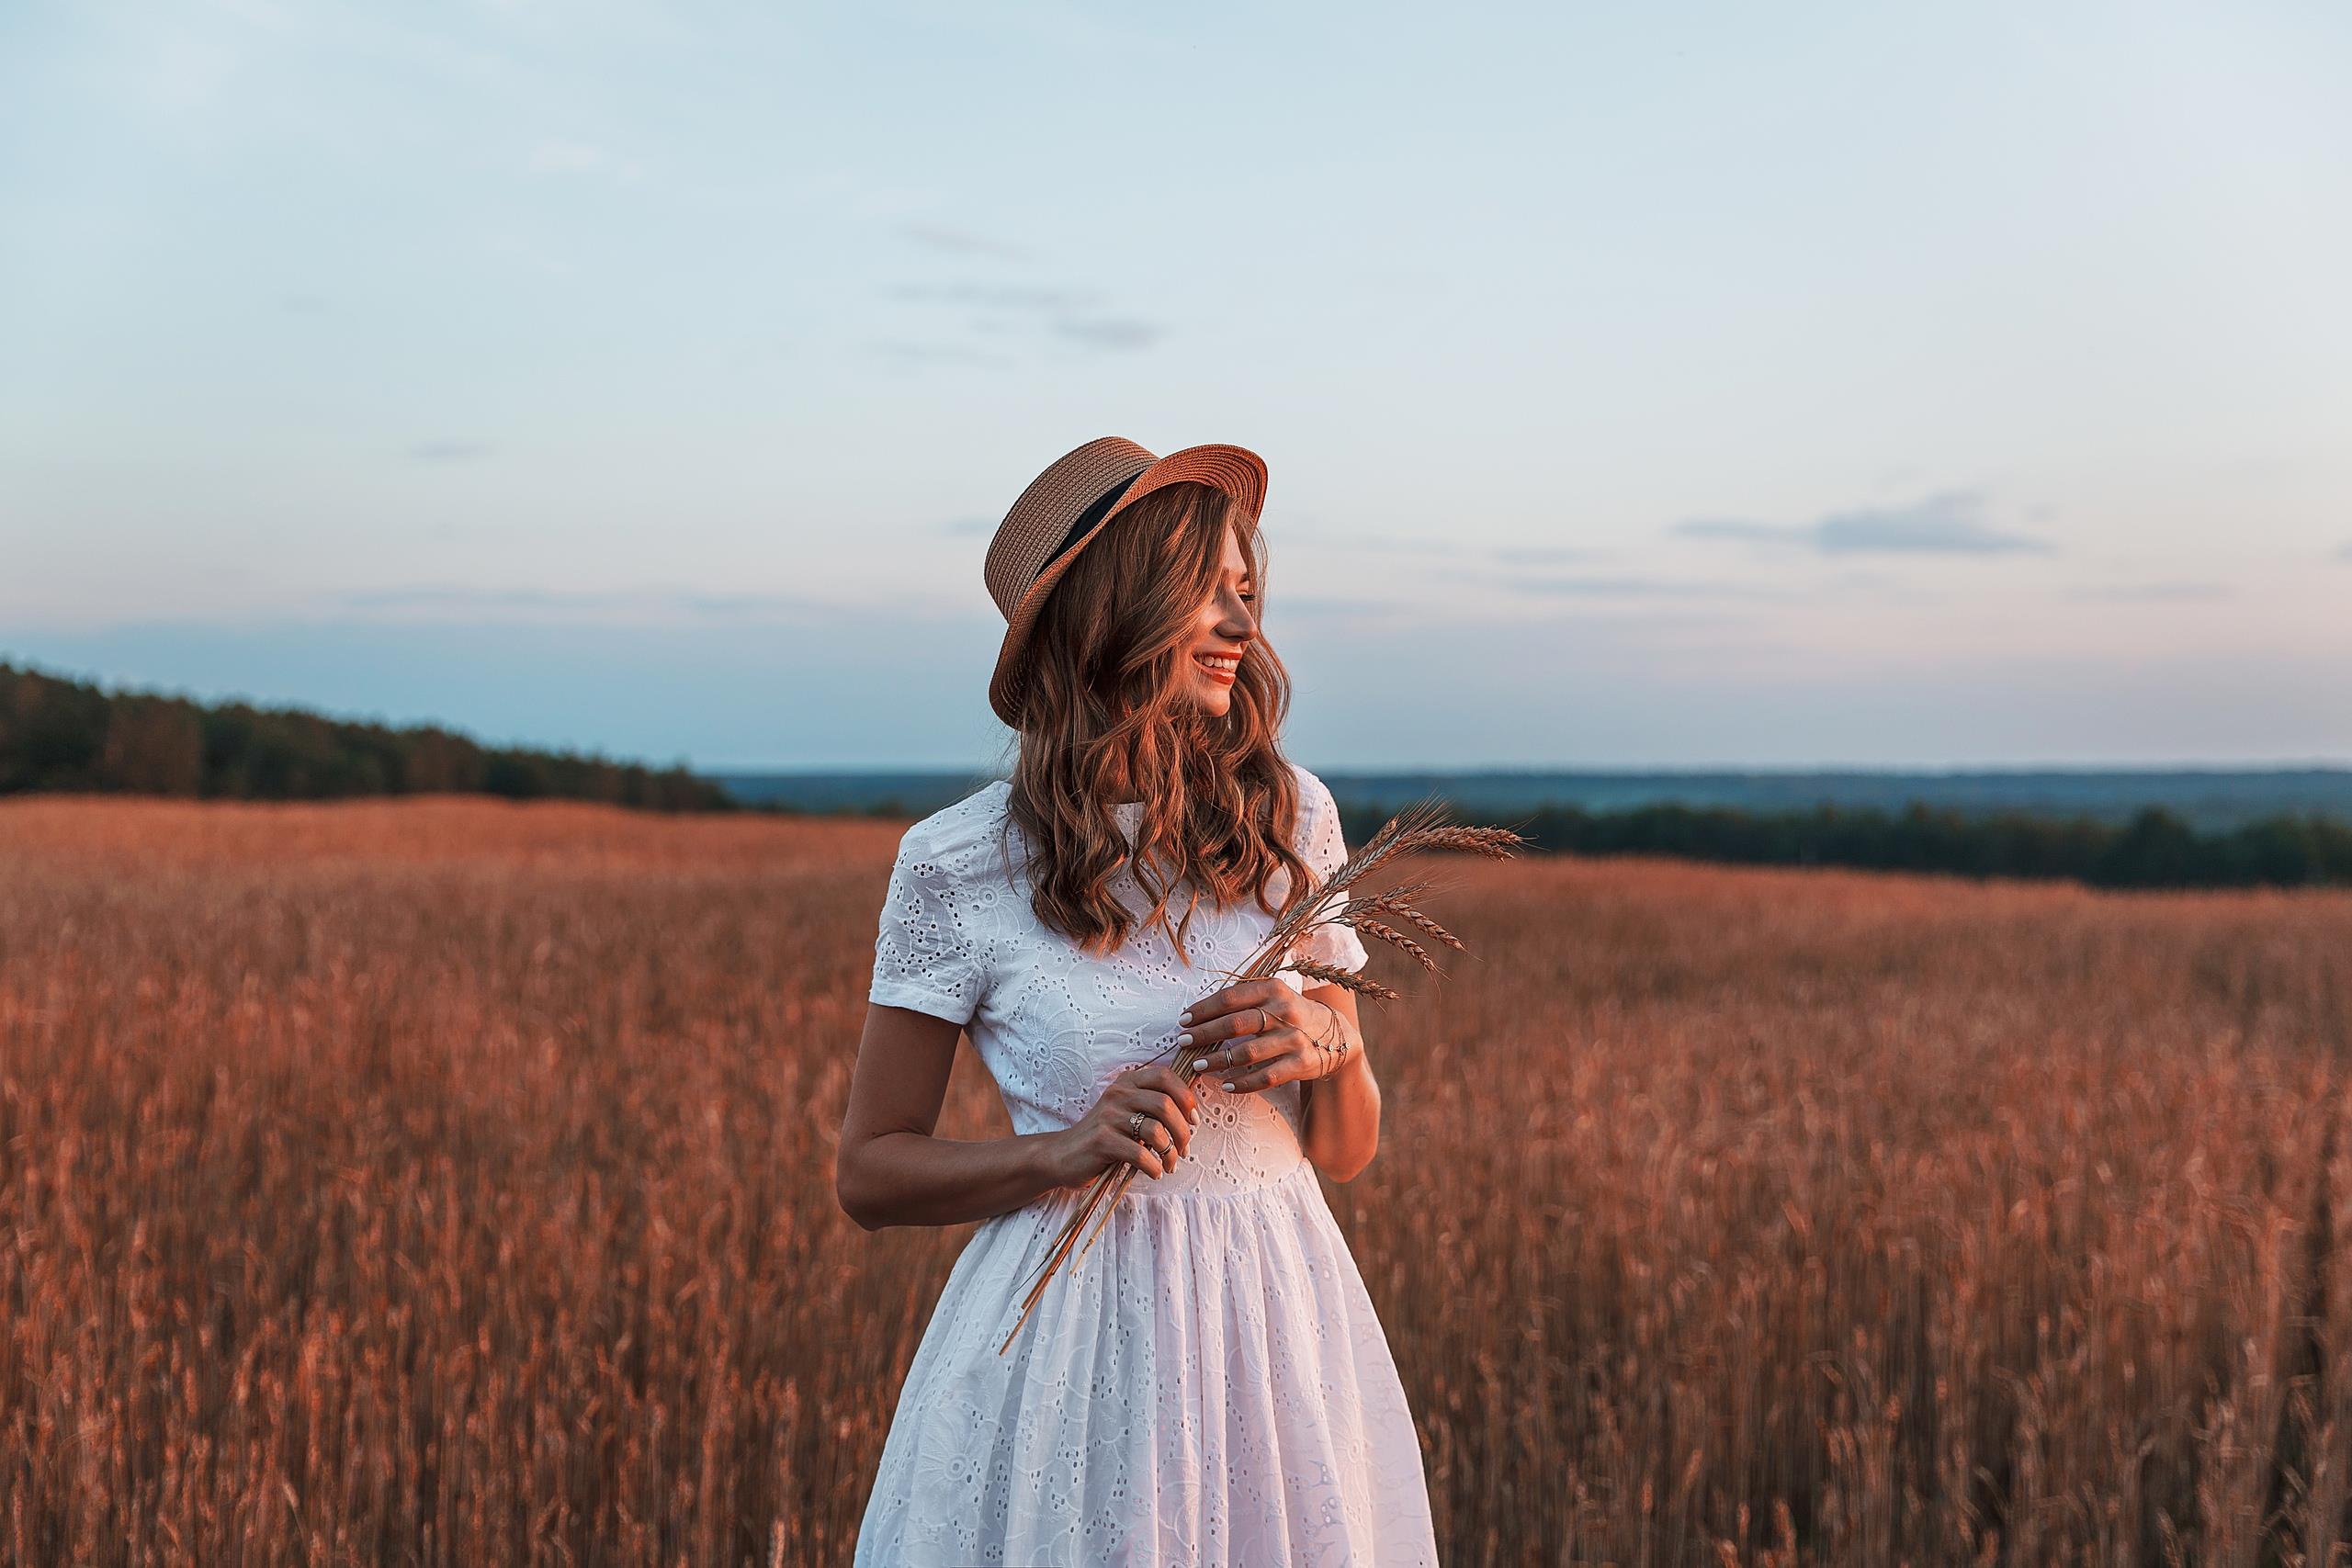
<point>2323,765</point>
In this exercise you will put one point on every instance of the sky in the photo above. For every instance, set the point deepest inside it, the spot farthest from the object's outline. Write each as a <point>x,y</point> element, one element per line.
<point>1669,386</point>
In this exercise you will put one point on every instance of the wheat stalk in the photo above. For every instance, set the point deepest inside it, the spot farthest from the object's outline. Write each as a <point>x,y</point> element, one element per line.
<point>1415,828</point>
<point>1392,903</point>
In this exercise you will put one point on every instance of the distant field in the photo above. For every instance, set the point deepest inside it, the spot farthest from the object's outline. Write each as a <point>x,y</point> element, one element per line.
<point>2206,798</point>
<point>447,1180</point>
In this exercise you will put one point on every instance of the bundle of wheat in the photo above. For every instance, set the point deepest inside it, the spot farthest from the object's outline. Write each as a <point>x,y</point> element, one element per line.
<point>1415,828</point>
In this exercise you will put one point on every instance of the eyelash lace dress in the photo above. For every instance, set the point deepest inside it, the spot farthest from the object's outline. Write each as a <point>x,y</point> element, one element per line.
<point>1209,1384</point>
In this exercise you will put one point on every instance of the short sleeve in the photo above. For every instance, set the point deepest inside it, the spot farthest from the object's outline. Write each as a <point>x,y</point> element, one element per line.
<point>1325,849</point>
<point>925,951</point>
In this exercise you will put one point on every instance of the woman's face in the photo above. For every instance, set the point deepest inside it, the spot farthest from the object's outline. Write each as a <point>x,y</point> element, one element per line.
<point>1221,632</point>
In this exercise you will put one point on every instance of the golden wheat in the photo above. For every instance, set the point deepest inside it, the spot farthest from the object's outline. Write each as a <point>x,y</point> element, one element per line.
<point>449,1182</point>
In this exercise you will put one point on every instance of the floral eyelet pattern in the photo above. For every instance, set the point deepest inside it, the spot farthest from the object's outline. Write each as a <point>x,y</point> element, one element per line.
<point>1211,1383</point>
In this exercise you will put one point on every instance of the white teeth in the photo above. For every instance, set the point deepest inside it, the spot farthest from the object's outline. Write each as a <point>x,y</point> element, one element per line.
<point>1214,662</point>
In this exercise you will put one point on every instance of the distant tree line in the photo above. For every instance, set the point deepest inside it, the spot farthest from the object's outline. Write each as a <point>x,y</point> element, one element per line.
<point>2153,849</point>
<point>61,734</point>
<point>58,734</point>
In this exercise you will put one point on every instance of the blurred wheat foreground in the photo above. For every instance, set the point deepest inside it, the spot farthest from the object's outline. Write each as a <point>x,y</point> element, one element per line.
<point>447,1181</point>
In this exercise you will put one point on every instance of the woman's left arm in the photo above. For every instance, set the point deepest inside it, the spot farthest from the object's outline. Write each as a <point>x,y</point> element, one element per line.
<point>1293,1035</point>
<point>1341,1114</point>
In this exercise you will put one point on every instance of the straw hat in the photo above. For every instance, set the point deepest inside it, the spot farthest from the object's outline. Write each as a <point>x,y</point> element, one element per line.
<point>1067,505</point>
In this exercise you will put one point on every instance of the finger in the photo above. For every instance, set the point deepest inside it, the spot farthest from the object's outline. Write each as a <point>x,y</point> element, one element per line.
<point>1240,993</point>
<point>1161,1144</point>
<point>1157,1110</point>
<point>1252,1049</point>
<point>1146,1089</point>
<point>1169,1081</point>
<point>1238,1054</point>
<point>1169,1110</point>
<point>1172,1115</point>
<point>1146,1159</point>
<point>1243,1022</point>
<point>1116,1148</point>
<point>1146,1152</point>
<point>1203,1055</point>
<point>1281,1069</point>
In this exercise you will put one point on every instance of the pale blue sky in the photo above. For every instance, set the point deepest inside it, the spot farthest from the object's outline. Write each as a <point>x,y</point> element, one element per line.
<point>1664,384</point>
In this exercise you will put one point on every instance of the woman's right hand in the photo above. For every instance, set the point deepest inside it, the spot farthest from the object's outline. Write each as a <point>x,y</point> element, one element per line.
<point>1104,1136</point>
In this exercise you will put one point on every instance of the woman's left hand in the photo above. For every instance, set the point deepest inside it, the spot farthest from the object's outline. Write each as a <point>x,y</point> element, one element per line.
<point>1257,1033</point>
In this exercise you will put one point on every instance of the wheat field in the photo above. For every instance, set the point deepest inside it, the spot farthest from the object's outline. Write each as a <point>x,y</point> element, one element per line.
<point>448,1182</point>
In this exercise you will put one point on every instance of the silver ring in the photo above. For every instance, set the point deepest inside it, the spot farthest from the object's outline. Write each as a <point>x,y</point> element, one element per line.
<point>1134,1126</point>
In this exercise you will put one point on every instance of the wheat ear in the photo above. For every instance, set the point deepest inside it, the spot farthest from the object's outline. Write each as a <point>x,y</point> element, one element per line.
<point>1395,938</point>
<point>1361,915</point>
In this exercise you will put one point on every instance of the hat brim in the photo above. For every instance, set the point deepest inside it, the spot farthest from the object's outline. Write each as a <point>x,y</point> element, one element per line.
<point>1236,470</point>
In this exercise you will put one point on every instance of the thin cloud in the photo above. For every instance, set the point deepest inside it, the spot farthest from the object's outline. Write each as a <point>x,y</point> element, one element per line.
<point>1331,608</point>
<point>1761,532</point>
<point>1298,528</point>
<point>997,295</point>
<point>573,607</point>
<point>913,353</point>
<point>1943,525</point>
<point>960,242</point>
<point>1542,554</point>
<point>1947,524</point>
<point>1122,333</point>
<point>1072,315</point>
<point>1640,587</point>
<point>2151,593</point>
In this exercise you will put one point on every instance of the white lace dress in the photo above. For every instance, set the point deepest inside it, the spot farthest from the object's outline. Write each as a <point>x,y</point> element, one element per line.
<point>1209,1384</point>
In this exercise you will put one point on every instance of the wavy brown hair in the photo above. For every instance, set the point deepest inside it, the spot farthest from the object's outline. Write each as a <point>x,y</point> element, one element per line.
<point>1105,703</point>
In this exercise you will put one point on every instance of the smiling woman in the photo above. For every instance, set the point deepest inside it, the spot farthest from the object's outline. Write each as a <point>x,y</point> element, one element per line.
<point>1215,1387</point>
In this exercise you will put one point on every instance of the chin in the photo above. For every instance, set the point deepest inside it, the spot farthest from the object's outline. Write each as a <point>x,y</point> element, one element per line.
<point>1217,700</point>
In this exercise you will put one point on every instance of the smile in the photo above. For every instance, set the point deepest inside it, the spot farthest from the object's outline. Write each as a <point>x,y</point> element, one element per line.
<point>1221,668</point>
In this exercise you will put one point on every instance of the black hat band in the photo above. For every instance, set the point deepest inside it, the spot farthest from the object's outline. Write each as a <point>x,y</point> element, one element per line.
<point>1086,520</point>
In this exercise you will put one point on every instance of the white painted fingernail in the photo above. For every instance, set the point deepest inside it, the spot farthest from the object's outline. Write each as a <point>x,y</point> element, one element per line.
<point>1185,1016</point>
<point>1228,1083</point>
<point>1184,1039</point>
<point>1200,1064</point>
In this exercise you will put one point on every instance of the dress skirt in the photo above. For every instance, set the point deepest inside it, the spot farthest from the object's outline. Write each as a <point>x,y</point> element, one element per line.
<point>1207,1385</point>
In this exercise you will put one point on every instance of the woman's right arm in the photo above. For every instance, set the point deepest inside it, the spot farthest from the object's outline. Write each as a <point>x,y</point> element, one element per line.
<point>890,1170</point>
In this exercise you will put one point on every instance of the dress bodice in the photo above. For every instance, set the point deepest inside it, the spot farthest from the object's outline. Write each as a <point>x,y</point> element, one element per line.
<point>1055,1024</point>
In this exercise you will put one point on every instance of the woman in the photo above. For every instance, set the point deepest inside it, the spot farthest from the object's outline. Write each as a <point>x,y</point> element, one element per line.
<point>1208,1383</point>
